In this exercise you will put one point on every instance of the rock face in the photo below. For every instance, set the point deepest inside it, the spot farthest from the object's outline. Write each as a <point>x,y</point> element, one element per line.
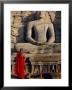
<point>38,54</point>
<point>17,25</point>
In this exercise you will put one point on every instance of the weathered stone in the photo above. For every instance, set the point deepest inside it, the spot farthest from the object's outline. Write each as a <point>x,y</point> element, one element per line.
<point>18,18</point>
<point>44,58</point>
<point>41,55</point>
<point>57,48</point>
<point>27,47</point>
<point>14,31</point>
<point>26,13</point>
<point>52,13</point>
<point>15,13</point>
<point>13,39</point>
<point>18,25</point>
<point>17,21</point>
<point>12,20</point>
<point>30,48</point>
<point>47,58</point>
<point>12,45</point>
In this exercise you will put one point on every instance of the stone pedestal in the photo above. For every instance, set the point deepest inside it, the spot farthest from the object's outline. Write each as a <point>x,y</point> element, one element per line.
<point>30,48</point>
<point>40,55</point>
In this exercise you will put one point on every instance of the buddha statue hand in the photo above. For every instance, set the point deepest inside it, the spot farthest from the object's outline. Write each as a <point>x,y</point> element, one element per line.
<point>39,43</point>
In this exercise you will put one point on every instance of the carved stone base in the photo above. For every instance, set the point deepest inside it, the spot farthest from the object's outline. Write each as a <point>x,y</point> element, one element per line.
<point>30,48</point>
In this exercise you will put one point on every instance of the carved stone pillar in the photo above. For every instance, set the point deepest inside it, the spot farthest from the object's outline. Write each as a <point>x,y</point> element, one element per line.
<point>41,64</point>
<point>40,67</point>
<point>33,64</point>
<point>48,67</point>
<point>13,69</point>
<point>56,67</point>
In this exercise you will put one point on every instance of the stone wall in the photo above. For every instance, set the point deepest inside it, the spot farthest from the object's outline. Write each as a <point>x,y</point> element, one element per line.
<point>16,24</point>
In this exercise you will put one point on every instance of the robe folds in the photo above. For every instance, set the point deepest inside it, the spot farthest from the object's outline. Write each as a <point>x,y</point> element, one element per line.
<point>20,65</point>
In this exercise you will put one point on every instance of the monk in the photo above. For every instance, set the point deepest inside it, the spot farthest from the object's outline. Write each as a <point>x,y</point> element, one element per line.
<point>20,63</point>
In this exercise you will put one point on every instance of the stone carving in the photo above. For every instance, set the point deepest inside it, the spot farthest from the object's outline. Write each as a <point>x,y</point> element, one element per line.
<point>40,27</point>
<point>38,47</point>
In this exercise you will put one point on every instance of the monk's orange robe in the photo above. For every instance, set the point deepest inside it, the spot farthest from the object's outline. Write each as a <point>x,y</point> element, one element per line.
<point>20,62</point>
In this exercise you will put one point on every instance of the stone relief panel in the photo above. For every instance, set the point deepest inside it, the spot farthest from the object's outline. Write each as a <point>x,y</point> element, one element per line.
<point>20,19</point>
<point>38,28</point>
<point>34,31</point>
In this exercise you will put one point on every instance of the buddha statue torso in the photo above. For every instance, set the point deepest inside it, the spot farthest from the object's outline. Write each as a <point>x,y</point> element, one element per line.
<point>40,27</point>
<point>40,32</point>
